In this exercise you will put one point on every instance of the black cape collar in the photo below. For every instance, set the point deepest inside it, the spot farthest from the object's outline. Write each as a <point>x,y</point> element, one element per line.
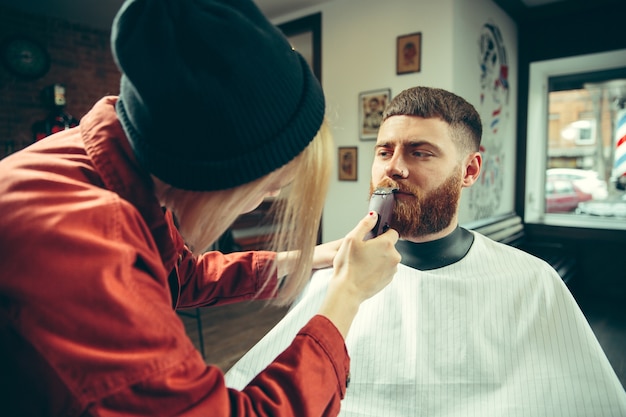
<point>437,253</point>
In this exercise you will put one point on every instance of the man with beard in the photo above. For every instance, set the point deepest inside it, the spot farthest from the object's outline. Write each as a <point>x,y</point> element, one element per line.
<point>468,326</point>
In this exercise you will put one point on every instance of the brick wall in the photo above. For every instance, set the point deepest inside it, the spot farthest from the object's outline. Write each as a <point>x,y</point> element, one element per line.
<point>80,59</point>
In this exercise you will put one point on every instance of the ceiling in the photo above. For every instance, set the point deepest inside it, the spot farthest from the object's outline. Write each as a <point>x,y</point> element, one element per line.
<point>99,14</point>
<point>529,10</point>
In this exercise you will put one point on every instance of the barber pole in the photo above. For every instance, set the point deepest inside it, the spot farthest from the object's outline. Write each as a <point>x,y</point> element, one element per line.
<point>619,166</point>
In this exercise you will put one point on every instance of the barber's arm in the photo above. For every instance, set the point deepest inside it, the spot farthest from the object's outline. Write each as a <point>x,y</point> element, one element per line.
<point>322,257</point>
<point>215,278</point>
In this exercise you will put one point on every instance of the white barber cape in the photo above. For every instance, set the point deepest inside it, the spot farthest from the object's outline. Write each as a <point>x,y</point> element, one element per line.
<point>494,334</point>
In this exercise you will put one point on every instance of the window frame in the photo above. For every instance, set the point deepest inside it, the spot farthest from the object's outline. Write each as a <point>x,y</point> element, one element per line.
<point>540,73</point>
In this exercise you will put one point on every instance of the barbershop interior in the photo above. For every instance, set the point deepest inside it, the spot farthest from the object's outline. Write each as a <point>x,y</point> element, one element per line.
<point>548,78</point>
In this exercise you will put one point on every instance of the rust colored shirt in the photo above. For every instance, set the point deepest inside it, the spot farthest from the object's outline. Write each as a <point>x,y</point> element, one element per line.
<point>92,270</point>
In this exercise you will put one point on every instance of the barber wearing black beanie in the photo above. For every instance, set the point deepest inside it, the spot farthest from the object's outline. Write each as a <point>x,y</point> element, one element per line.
<point>105,227</point>
<point>201,70</point>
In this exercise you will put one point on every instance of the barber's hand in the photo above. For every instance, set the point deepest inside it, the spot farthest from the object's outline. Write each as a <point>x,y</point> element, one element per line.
<point>362,269</point>
<point>325,254</point>
<point>367,266</point>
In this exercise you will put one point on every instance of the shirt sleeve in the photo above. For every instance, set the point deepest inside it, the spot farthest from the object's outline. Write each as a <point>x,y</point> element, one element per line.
<point>215,278</point>
<point>307,379</point>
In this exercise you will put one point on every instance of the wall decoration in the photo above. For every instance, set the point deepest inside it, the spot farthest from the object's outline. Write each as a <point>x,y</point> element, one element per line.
<point>25,58</point>
<point>409,53</point>
<point>371,106</point>
<point>486,194</point>
<point>348,163</point>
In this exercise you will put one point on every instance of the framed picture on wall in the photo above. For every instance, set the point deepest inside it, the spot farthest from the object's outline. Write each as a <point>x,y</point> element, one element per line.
<point>409,53</point>
<point>348,163</point>
<point>371,106</point>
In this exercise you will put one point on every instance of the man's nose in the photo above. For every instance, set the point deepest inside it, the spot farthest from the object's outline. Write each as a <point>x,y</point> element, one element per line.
<point>396,168</point>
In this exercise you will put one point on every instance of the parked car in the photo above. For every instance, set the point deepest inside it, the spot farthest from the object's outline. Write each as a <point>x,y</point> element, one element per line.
<point>585,180</point>
<point>563,196</point>
<point>607,208</point>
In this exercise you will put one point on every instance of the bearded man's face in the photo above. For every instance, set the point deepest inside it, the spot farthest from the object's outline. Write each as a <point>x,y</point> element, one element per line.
<point>418,213</point>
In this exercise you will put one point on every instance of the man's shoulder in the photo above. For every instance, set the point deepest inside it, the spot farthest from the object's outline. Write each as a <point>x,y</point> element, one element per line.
<point>501,253</point>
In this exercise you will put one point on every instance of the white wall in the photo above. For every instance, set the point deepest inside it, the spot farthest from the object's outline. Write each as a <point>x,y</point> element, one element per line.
<point>359,54</point>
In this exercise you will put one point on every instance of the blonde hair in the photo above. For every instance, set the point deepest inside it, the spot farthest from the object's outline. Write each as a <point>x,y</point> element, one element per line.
<point>205,216</point>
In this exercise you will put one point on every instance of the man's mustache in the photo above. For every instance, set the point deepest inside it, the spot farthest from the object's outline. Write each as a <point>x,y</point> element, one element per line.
<point>401,187</point>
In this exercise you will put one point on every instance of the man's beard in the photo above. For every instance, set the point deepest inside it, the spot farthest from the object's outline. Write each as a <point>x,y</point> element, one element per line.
<point>425,213</point>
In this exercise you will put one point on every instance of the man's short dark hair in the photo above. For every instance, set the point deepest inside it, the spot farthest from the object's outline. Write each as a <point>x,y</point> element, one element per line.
<point>427,102</point>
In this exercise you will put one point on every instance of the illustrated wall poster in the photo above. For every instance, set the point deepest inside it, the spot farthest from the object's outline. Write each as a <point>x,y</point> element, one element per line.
<point>485,196</point>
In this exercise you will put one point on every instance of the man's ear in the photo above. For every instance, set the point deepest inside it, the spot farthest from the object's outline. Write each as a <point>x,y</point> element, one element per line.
<point>472,165</point>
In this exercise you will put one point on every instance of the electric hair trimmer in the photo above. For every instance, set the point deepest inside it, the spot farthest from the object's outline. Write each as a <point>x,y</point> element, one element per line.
<point>382,202</point>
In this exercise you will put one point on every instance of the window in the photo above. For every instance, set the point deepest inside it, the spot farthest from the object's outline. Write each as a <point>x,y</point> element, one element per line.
<point>574,175</point>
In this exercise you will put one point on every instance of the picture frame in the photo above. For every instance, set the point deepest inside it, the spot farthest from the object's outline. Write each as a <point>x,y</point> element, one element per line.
<point>409,53</point>
<point>347,163</point>
<point>371,106</point>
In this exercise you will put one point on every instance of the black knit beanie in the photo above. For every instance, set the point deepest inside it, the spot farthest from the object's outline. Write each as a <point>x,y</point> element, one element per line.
<point>212,95</point>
